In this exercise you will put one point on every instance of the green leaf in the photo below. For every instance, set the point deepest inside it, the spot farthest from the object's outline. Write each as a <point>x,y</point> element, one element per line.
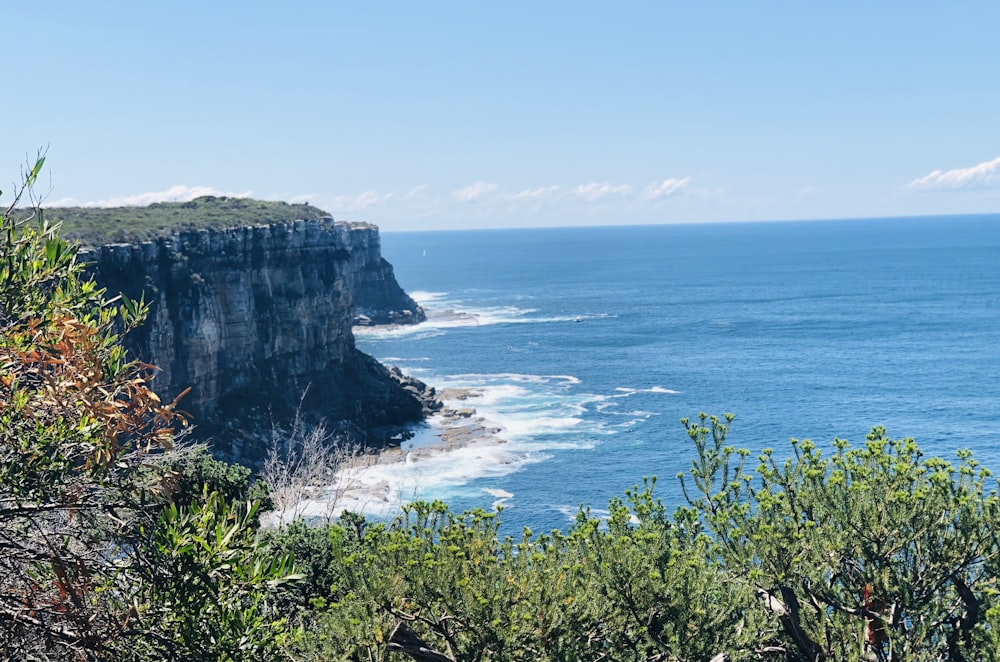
<point>129,305</point>
<point>33,175</point>
<point>53,251</point>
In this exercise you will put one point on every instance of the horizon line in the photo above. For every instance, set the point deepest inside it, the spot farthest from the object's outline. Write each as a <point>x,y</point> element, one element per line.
<point>845,219</point>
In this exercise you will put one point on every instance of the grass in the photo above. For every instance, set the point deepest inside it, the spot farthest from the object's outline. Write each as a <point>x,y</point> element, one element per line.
<point>95,226</point>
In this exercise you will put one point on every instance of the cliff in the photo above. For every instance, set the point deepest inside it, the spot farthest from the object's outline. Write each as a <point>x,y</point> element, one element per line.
<point>257,322</point>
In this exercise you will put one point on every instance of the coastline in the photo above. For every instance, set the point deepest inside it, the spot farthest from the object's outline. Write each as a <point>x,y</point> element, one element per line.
<point>378,483</point>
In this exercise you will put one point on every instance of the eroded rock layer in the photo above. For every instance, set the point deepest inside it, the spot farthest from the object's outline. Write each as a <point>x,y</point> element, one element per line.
<point>257,322</point>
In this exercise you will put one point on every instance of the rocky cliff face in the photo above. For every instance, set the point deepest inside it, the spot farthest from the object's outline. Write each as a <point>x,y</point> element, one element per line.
<point>378,298</point>
<point>257,322</point>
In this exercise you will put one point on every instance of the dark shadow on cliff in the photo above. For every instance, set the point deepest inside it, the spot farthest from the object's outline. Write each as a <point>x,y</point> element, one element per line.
<point>363,404</point>
<point>257,321</point>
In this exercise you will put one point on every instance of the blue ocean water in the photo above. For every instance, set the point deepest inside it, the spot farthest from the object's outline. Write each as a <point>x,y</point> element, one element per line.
<point>589,344</point>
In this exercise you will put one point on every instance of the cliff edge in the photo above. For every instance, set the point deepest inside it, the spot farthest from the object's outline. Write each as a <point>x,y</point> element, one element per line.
<point>257,322</point>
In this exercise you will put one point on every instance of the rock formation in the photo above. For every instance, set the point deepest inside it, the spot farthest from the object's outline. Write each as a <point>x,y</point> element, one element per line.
<point>257,322</point>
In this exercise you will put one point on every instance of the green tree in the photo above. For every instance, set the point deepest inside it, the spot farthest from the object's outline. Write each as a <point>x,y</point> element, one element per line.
<point>76,419</point>
<point>873,553</point>
<point>205,582</point>
<point>662,589</point>
<point>91,547</point>
<point>435,585</point>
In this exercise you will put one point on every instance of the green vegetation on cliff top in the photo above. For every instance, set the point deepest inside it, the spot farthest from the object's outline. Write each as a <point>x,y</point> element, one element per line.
<point>102,225</point>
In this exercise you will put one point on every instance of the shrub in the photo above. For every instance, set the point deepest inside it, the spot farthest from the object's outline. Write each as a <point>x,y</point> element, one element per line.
<point>94,559</point>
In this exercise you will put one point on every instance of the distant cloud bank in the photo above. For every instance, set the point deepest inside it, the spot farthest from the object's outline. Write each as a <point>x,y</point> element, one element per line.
<point>178,193</point>
<point>598,191</point>
<point>474,191</point>
<point>666,188</point>
<point>978,176</point>
<point>591,192</point>
<point>467,204</point>
<point>358,202</point>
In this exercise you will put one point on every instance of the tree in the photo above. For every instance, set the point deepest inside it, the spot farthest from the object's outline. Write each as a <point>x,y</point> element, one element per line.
<point>874,553</point>
<point>437,586</point>
<point>91,547</point>
<point>206,585</point>
<point>76,418</point>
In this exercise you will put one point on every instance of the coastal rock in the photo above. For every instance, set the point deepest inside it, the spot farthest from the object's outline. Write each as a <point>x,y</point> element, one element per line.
<point>378,298</point>
<point>257,322</point>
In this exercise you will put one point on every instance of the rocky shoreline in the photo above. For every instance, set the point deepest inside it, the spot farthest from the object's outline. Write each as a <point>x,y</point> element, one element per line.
<point>364,483</point>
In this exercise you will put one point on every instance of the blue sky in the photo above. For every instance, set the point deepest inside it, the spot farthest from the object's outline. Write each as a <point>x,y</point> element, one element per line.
<point>427,115</point>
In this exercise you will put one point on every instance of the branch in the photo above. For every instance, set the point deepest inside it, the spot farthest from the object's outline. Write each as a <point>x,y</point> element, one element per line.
<point>787,610</point>
<point>405,641</point>
<point>971,618</point>
<point>62,634</point>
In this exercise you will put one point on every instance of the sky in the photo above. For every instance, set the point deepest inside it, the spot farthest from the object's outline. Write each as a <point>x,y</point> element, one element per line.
<point>466,115</point>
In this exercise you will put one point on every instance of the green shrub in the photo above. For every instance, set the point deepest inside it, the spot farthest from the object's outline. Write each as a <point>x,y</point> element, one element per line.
<point>95,561</point>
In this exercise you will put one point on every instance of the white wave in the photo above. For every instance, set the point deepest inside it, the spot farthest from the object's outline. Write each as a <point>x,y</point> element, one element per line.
<point>536,415</point>
<point>501,496</point>
<point>422,296</point>
<point>414,371</point>
<point>528,427</point>
<point>603,514</point>
<point>625,391</point>
<point>445,310</point>
<point>516,377</point>
<point>609,409</point>
<point>440,475</point>
<point>418,331</point>
<point>571,512</point>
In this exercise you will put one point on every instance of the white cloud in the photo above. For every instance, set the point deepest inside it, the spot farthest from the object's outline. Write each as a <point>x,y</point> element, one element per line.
<point>178,193</point>
<point>978,176</point>
<point>666,188</point>
<point>594,191</point>
<point>537,193</point>
<point>474,192</point>
<point>356,202</point>
<point>807,190</point>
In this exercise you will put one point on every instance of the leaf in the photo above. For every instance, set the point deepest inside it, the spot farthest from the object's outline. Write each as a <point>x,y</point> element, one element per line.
<point>33,175</point>
<point>53,251</point>
<point>129,305</point>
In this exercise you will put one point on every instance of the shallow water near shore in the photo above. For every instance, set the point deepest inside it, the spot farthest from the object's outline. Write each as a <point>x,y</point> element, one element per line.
<point>585,346</point>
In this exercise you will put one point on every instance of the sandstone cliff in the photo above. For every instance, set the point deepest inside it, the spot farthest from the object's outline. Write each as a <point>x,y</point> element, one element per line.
<point>257,320</point>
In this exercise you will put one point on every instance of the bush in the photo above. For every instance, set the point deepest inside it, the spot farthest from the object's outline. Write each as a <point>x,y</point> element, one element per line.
<point>114,545</point>
<point>872,553</point>
<point>95,561</point>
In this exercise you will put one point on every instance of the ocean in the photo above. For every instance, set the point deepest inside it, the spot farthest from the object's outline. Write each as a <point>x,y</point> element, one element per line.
<point>588,345</point>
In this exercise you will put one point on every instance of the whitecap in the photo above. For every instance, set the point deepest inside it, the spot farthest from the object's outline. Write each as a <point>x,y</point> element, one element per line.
<point>446,310</point>
<point>624,391</point>
<point>501,497</point>
<point>533,415</point>
<point>516,377</point>
<point>422,296</point>
<point>379,490</point>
